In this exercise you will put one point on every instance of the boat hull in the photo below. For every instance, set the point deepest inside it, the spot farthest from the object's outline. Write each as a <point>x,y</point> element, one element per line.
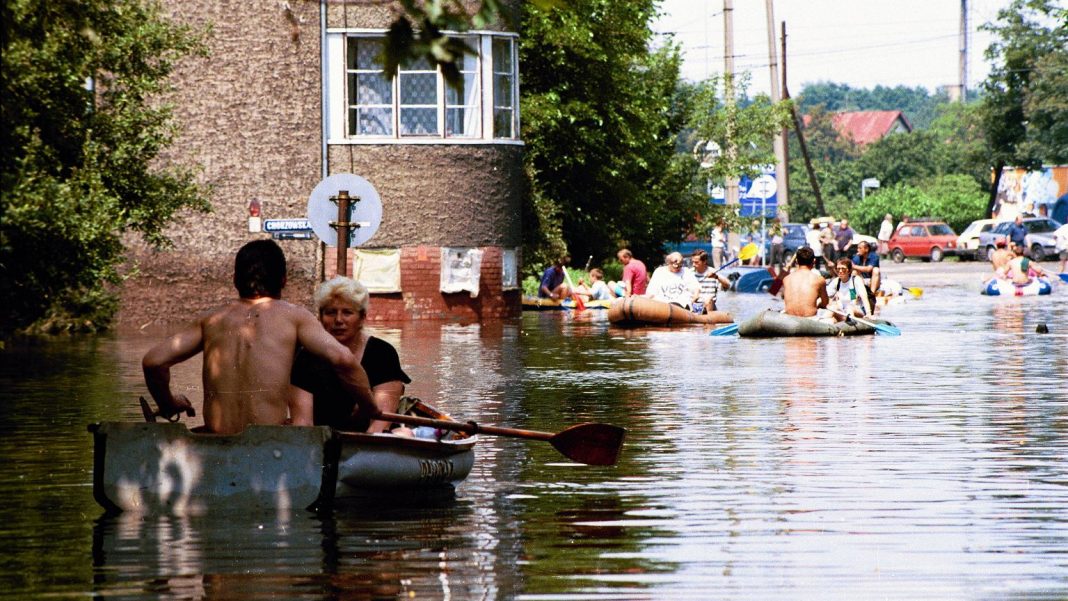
<point>639,311</point>
<point>373,464</point>
<point>164,468</point>
<point>1000,287</point>
<point>774,324</point>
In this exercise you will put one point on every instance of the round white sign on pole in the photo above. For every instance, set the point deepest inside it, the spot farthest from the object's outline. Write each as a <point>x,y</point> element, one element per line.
<point>366,208</point>
<point>763,187</point>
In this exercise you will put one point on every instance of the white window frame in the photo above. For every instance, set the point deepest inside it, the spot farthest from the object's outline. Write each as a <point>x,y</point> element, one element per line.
<point>335,75</point>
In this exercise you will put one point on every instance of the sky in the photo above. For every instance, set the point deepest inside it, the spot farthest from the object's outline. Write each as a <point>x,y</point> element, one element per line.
<point>862,43</point>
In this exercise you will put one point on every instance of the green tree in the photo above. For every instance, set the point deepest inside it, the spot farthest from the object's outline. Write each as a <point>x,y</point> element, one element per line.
<point>77,166</point>
<point>600,116</point>
<point>957,199</point>
<point>918,104</point>
<point>1029,34</point>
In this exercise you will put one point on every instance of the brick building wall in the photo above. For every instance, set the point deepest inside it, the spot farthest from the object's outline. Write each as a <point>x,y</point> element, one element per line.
<point>251,124</point>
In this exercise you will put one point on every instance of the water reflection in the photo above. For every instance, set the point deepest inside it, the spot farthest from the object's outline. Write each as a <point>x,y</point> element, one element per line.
<point>932,465</point>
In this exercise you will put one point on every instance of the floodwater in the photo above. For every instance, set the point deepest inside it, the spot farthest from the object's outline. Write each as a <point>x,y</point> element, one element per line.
<point>933,465</point>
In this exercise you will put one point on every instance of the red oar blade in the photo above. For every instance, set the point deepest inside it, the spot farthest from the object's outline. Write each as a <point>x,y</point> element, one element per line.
<point>591,443</point>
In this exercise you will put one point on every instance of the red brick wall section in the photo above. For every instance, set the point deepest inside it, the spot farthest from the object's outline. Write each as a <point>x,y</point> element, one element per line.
<point>421,297</point>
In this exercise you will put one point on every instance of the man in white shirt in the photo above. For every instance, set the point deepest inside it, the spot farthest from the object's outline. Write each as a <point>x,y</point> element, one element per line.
<point>673,284</point>
<point>885,231</point>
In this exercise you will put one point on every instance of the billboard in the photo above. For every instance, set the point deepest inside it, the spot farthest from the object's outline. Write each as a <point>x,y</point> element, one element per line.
<point>1030,192</point>
<point>755,195</point>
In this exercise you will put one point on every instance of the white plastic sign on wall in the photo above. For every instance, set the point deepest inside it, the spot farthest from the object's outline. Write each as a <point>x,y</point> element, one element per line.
<point>367,211</point>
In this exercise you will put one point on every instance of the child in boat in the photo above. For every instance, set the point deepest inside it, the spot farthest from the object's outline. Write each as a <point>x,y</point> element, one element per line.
<point>597,290</point>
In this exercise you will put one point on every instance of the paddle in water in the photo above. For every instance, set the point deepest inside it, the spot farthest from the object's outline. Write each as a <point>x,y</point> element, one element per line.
<point>589,443</point>
<point>730,330</point>
<point>880,328</point>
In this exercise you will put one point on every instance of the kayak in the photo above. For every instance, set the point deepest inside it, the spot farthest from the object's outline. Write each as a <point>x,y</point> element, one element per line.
<point>533,303</point>
<point>639,310</point>
<point>373,464</point>
<point>775,324</point>
<point>166,468</point>
<point>1000,287</point>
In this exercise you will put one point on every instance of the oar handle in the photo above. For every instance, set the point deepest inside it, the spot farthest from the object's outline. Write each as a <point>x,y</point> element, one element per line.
<point>725,265</point>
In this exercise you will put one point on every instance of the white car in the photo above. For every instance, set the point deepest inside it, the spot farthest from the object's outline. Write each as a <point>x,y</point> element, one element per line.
<point>968,240</point>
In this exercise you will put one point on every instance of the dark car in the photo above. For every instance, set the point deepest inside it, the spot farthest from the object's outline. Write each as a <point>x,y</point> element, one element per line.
<point>793,238</point>
<point>1040,240</point>
<point>929,240</point>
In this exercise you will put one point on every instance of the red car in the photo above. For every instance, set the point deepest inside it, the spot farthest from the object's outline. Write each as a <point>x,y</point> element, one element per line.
<point>928,240</point>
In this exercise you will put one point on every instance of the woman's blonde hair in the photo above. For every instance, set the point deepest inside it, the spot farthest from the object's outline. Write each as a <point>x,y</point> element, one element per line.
<point>346,289</point>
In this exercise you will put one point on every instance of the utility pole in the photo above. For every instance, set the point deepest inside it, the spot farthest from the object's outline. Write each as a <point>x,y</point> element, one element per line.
<point>963,51</point>
<point>728,91</point>
<point>799,128</point>
<point>781,174</point>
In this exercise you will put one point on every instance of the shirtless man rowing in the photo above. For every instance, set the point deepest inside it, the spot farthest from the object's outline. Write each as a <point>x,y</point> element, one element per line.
<point>804,290</point>
<point>248,347</point>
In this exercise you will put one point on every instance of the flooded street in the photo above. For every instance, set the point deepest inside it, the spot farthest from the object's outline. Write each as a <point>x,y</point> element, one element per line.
<point>933,465</point>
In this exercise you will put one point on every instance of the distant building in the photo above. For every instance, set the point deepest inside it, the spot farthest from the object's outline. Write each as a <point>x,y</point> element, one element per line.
<point>865,127</point>
<point>292,92</point>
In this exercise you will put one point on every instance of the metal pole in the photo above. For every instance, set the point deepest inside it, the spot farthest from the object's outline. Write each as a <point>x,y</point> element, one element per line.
<point>342,226</point>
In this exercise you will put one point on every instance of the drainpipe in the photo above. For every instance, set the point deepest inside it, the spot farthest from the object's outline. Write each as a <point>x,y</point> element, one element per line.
<point>320,247</point>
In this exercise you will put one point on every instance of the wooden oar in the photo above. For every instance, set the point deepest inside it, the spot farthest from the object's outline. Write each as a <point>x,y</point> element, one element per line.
<point>589,443</point>
<point>880,328</point>
<point>150,415</point>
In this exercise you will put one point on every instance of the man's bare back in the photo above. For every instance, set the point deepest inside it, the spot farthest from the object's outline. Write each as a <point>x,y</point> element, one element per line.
<point>248,347</point>
<point>802,289</point>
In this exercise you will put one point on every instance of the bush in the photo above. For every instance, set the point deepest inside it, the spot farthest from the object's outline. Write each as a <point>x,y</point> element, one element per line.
<point>957,199</point>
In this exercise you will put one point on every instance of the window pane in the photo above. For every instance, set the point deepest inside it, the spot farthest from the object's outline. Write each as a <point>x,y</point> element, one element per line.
<point>502,123</point>
<point>464,93</point>
<point>418,88</point>
<point>502,56</point>
<point>502,90</point>
<point>373,88</point>
<point>419,121</point>
<point>372,121</point>
<point>367,53</point>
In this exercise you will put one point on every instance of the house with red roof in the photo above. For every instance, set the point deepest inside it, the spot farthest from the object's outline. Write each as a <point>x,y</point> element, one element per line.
<point>865,127</point>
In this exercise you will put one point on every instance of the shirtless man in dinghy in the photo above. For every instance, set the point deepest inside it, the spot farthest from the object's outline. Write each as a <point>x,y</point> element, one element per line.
<point>804,290</point>
<point>248,347</point>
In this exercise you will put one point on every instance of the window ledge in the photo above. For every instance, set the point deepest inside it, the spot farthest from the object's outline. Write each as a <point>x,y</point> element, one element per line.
<point>422,142</point>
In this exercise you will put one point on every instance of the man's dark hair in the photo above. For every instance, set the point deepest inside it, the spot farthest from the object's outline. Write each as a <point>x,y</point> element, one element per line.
<point>260,270</point>
<point>805,256</point>
<point>700,254</point>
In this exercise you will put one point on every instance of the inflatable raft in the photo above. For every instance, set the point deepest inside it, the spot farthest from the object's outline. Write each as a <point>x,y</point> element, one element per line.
<point>1000,287</point>
<point>774,324</point>
<point>642,311</point>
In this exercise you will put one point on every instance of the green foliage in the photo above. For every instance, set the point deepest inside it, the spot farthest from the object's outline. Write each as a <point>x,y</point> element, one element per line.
<point>956,199</point>
<point>77,167</point>
<point>600,113</point>
<point>1023,113</point>
<point>418,32</point>
<point>751,126</point>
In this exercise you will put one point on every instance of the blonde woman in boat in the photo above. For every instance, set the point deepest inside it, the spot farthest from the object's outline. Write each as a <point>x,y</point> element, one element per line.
<point>342,303</point>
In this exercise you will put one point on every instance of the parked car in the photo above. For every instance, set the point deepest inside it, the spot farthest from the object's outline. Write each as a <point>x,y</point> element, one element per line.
<point>793,238</point>
<point>929,240</point>
<point>968,240</point>
<point>1040,240</point>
